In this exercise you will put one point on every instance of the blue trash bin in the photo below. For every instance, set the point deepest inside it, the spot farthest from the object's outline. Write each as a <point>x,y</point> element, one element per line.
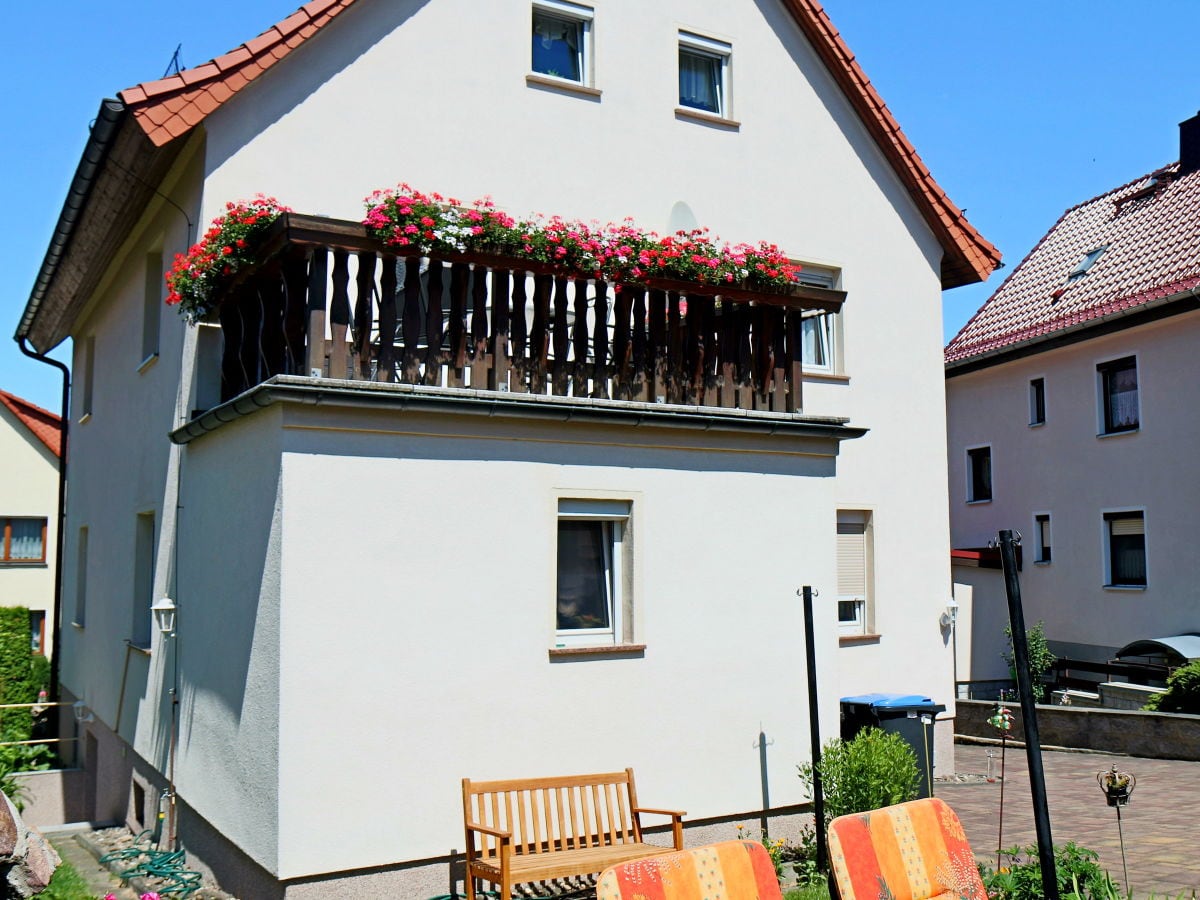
<point>909,715</point>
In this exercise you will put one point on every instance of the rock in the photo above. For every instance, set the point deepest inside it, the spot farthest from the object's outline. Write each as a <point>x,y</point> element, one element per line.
<point>28,861</point>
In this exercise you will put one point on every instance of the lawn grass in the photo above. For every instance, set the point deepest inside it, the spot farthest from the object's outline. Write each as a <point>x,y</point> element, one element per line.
<point>66,884</point>
<point>816,891</point>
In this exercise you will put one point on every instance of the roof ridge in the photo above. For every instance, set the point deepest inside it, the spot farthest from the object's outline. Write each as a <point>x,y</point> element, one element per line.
<point>1116,190</point>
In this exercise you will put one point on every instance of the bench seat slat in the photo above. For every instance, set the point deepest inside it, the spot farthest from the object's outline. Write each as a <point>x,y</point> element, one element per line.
<point>562,863</point>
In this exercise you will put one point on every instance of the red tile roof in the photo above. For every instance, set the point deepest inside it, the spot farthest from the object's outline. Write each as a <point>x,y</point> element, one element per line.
<point>169,108</point>
<point>1151,229</point>
<point>45,425</point>
<point>173,106</point>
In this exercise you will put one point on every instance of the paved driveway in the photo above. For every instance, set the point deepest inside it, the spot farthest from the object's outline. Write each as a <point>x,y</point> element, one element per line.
<point>1161,822</point>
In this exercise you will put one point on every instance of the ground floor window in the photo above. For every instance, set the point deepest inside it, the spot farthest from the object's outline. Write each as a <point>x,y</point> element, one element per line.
<point>1125,548</point>
<point>854,574</point>
<point>591,581</point>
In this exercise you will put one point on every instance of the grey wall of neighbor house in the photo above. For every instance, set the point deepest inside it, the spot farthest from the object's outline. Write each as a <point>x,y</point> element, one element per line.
<point>1068,469</point>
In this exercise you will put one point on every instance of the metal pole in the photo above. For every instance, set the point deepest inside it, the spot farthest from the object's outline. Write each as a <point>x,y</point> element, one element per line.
<point>762,775</point>
<point>1033,744</point>
<point>810,654</point>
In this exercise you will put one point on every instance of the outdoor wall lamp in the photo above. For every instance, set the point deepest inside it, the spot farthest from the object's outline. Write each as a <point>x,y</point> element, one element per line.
<point>82,713</point>
<point>950,616</point>
<point>164,615</point>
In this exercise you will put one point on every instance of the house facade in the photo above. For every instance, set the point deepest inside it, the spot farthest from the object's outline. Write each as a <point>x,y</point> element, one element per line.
<point>1068,422</point>
<point>375,559</point>
<point>30,447</point>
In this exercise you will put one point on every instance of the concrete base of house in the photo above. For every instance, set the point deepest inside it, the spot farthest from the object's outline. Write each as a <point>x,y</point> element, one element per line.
<point>1137,733</point>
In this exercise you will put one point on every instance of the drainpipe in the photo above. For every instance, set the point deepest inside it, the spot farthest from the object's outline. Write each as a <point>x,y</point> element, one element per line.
<point>62,508</point>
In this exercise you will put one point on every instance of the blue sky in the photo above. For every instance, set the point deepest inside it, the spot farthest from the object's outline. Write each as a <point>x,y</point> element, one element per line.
<point>1020,109</point>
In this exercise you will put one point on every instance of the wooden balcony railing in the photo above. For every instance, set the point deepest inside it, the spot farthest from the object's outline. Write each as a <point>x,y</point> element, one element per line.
<point>328,300</point>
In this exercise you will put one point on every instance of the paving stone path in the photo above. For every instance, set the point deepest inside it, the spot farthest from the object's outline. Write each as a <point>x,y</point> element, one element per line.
<point>1161,822</point>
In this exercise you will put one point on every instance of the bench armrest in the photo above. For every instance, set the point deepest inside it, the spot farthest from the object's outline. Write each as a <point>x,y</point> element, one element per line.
<point>676,821</point>
<point>503,836</point>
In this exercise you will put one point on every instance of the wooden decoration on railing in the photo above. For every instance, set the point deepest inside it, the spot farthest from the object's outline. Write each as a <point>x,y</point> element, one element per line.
<point>501,324</point>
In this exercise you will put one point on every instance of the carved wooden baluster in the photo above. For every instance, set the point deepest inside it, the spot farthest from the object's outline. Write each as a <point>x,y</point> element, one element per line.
<point>269,288</point>
<point>561,338</point>
<point>693,322</point>
<point>460,279</point>
<point>778,382</point>
<point>600,343</point>
<point>712,349</point>
<point>411,321</point>
<point>658,345</point>
<point>434,357</point>
<point>540,338</point>
<point>500,326</point>
<point>745,373</point>
<point>640,385</point>
<point>520,332</point>
<point>480,364</point>
<point>339,315</point>
<point>728,355</point>
<point>318,273</point>
<point>622,346</point>
<point>794,330</point>
<point>295,309</point>
<point>365,282</point>
<point>252,322</point>
<point>760,357</point>
<point>580,341</point>
<point>676,369</point>
<point>232,382</point>
<point>386,370</point>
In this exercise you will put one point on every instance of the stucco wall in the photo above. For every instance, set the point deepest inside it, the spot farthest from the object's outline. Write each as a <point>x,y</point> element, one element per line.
<point>1065,469</point>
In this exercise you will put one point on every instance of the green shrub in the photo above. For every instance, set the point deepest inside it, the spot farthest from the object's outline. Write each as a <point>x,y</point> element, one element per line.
<point>1183,691</point>
<point>872,770</point>
<point>1041,660</point>
<point>1078,875</point>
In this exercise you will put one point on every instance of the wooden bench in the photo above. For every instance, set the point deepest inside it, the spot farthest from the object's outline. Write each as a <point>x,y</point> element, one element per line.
<point>742,869</point>
<point>537,829</point>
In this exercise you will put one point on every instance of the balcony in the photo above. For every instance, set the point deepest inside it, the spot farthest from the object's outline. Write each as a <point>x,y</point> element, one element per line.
<point>328,301</point>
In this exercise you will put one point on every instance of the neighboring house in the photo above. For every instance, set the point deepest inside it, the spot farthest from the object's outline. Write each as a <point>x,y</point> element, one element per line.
<point>30,443</point>
<point>1071,421</point>
<point>373,577</point>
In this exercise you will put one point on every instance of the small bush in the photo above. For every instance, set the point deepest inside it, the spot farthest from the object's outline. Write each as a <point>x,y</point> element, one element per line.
<point>1078,875</point>
<point>1183,691</point>
<point>1041,660</point>
<point>872,770</point>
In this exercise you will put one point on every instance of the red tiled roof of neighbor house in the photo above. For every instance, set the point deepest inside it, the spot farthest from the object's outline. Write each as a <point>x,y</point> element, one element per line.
<point>1150,229</point>
<point>171,107</point>
<point>45,425</point>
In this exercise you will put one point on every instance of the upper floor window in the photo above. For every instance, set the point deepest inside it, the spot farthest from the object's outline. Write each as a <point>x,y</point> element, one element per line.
<point>821,332</point>
<point>704,74</point>
<point>562,34</point>
<point>143,580</point>
<point>89,377</point>
<point>1125,549</point>
<point>24,541</point>
<point>1037,401</point>
<point>152,304</point>
<point>979,474</point>
<point>1041,536</point>
<point>1118,395</point>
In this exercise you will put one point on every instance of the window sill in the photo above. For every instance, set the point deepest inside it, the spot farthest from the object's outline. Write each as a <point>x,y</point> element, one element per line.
<point>978,502</point>
<point>86,417</point>
<point>147,363</point>
<point>1123,431</point>
<point>78,625</point>
<point>604,650</point>
<point>1041,562</point>
<point>706,118</point>
<point>854,640</point>
<point>23,564</point>
<point>563,85</point>
<point>1124,587</point>
<point>830,377</point>
<point>1036,424</point>
<point>138,648</point>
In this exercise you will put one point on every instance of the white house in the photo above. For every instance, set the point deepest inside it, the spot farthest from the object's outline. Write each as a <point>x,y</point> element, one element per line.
<point>368,560</point>
<point>29,445</point>
<point>1070,422</point>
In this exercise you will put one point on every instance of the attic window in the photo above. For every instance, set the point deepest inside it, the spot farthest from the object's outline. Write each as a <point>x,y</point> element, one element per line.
<point>1086,263</point>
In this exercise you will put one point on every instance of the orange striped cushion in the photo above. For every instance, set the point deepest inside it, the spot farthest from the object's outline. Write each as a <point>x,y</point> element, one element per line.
<point>733,870</point>
<point>911,851</point>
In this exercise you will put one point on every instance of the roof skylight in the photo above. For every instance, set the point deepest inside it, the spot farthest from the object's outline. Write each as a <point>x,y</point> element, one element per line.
<point>1086,263</point>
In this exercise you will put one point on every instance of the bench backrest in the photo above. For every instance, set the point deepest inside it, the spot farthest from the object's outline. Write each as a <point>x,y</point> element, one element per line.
<point>563,813</point>
<point>911,851</point>
<point>743,869</point>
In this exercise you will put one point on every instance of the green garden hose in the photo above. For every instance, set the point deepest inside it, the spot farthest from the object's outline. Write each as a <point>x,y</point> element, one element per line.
<point>167,866</point>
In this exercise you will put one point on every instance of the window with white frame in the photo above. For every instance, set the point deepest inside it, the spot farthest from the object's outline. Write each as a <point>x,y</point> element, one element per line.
<point>152,303</point>
<point>562,36</point>
<point>1037,401</point>
<point>979,474</point>
<point>1118,384</point>
<point>853,570</point>
<point>1125,549</point>
<point>1041,537</point>
<point>592,584</point>
<point>821,331</point>
<point>704,74</point>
